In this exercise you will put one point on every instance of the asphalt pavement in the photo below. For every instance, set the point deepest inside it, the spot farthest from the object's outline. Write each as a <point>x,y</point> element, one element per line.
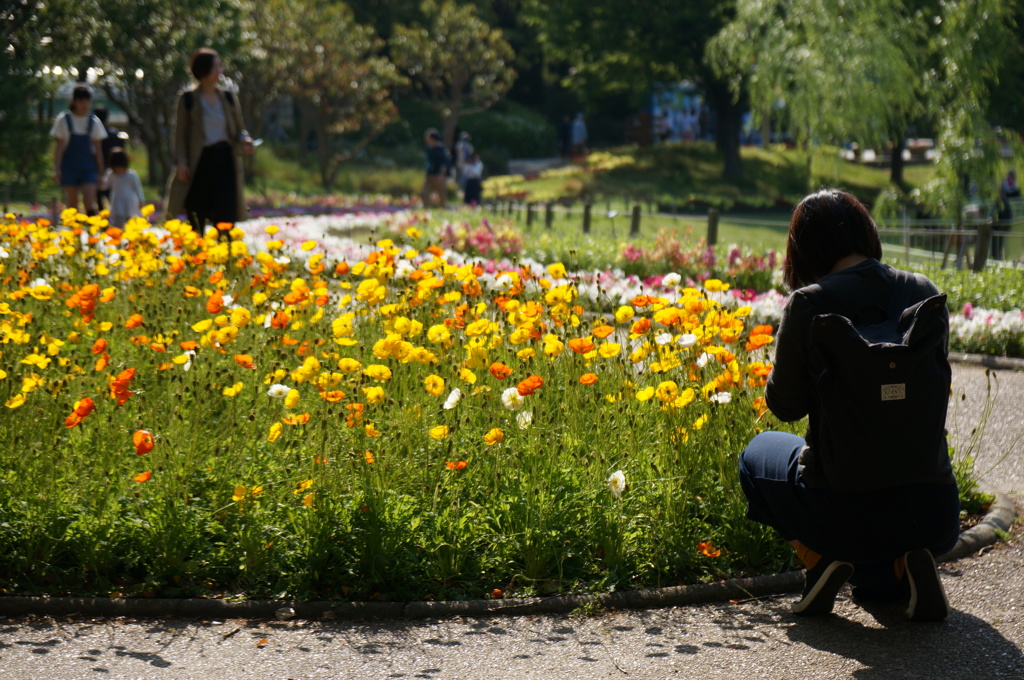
<point>755,638</point>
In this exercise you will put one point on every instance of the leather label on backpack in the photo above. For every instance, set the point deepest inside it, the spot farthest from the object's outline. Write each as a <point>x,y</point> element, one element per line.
<point>894,392</point>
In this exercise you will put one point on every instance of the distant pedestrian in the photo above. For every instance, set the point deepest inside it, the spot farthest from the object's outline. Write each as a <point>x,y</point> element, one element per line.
<point>124,188</point>
<point>209,140</point>
<point>78,154</point>
<point>473,173</point>
<point>435,171</point>
<point>108,143</point>
<point>565,136</point>
<point>463,152</point>
<point>1009,189</point>
<point>579,136</point>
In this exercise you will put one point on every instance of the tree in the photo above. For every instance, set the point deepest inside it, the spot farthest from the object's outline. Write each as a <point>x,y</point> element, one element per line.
<point>622,49</point>
<point>339,77</point>
<point>845,69</point>
<point>458,62</point>
<point>40,43</point>
<point>862,70</point>
<point>143,50</point>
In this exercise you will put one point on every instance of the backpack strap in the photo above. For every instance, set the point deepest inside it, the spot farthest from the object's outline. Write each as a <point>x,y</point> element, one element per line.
<point>187,96</point>
<point>67,119</point>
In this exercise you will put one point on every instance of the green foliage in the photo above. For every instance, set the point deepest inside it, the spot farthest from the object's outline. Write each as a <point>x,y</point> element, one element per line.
<point>340,78</point>
<point>460,64</point>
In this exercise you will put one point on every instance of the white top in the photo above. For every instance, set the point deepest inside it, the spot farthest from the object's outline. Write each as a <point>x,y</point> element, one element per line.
<point>473,170</point>
<point>80,124</point>
<point>125,194</point>
<point>215,125</point>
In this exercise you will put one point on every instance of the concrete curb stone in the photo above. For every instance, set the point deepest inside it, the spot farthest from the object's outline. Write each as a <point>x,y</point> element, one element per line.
<point>1000,518</point>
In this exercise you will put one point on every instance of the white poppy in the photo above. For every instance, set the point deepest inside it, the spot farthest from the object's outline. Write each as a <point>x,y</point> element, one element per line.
<point>512,400</point>
<point>617,483</point>
<point>453,399</point>
<point>278,390</point>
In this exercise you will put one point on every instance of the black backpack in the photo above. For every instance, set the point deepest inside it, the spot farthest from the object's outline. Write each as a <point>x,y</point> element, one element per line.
<point>883,392</point>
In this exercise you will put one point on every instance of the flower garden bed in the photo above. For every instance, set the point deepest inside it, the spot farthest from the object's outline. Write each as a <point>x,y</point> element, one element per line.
<point>293,412</point>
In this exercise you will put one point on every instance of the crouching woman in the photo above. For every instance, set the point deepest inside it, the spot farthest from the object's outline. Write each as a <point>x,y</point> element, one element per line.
<point>872,502</point>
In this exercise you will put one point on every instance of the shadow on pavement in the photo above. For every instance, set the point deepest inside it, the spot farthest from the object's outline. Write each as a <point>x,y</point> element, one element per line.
<point>963,646</point>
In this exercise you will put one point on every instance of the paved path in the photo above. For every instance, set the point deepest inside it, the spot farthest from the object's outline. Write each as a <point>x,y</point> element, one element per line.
<point>983,637</point>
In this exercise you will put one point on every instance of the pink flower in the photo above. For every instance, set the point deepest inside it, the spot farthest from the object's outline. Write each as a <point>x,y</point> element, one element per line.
<point>968,310</point>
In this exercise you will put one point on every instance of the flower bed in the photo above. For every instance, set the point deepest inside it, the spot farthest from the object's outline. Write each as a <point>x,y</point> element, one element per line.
<point>184,415</point>
<point>291,411</point>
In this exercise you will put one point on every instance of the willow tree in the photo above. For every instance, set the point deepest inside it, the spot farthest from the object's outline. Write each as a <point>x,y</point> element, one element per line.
<point>841,69</point>
<point>458,62</point>
<point>862,70</point>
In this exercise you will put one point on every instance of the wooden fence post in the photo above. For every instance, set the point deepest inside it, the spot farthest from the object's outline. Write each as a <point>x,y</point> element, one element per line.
<point>981,247</point>
<point>549,215</point>
<point>634,225</point>
<point>529,215</point>
<point>712,226</point>
<point>586,217</point>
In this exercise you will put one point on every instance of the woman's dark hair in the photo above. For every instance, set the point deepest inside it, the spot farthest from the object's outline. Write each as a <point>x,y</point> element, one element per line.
<point>826,227</point>
<point>118,157</point>
<point>81,92</point>
<point>202,62</point>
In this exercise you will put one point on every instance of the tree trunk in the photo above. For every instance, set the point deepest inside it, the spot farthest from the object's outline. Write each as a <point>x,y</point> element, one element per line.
<point>896,169</point>
<point>728,125</point>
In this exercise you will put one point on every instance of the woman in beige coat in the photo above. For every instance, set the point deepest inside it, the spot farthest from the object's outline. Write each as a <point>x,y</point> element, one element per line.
<point>209,140</point>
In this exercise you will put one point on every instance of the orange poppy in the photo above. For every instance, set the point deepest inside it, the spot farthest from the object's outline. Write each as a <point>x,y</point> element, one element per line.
<point>102,362</point>
<point>215,277</point>
<point>100,346</point>
<point>603,331</point>
<point>144,442</point>
<point>143,476</point>
<point>134,321</point>
<point>188,345</point>
<point>500,371</point>
<point>215,303</point>
<point>588,378</point>
<point>581,345</point>
<point>332,395</point>
<point>708,549</point>
<point>298,419</point>
<point>457,465</point>
<point>245,361</point>
<point>530,385</point>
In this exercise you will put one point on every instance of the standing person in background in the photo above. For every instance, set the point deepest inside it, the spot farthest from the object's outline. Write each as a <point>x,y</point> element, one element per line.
<point>209,140</point>
<point>473,173</point>
<point>565,136</point>
<point>108,143</point>
<point>436,169</point>
<point>1007,190</point>
<point>78,154</point>
<point>124,188</point>
<point>463,152</point>
<point>579,136</point>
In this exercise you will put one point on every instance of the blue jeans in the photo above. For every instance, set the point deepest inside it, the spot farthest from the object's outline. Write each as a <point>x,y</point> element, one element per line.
<point>869,529</point>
